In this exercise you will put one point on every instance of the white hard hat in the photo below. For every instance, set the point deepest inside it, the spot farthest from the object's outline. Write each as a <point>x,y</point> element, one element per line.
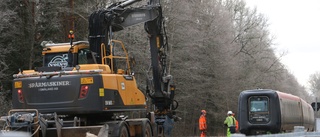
<point>229,112</point>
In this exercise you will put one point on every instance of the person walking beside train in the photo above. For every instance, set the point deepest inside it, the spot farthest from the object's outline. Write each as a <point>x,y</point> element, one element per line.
<point>203,123</point>
<point>230,123</point>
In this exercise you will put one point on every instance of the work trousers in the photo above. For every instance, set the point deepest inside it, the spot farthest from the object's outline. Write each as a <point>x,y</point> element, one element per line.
<point>203,134</point>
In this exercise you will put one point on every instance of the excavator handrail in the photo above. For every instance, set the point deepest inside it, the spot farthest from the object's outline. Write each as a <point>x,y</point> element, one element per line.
<point>51,44</point>
<point>111,56</point>
<point>40,74</point>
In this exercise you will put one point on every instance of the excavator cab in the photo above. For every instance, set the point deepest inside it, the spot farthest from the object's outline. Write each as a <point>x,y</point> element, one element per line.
<point>64,55</point>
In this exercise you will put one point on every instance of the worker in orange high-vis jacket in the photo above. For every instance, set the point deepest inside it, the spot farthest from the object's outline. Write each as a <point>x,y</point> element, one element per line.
<point>237,124</point>
<point>203,123</point>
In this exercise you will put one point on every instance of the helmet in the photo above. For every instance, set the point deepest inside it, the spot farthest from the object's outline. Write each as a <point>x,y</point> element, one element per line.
<point>229,113</point>
<point>203,111</point>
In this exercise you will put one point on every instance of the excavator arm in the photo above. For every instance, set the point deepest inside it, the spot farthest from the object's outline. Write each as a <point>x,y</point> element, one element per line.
<point>102,25</point>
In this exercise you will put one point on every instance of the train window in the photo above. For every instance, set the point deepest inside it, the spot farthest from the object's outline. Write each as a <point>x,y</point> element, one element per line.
<point>259,104</point>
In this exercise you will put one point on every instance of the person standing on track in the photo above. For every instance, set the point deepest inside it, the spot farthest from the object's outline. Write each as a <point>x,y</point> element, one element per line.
<point>203,123</point>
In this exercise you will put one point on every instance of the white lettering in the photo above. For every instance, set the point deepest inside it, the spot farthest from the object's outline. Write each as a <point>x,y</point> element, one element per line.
<point>49,84</point>
<point>138,15</point>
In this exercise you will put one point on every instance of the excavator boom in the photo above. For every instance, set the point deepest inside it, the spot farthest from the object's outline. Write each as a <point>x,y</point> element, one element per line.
<point>103,24</point>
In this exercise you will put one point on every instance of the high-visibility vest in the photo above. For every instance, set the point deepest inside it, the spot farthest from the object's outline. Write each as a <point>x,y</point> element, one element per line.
<point>237,125</point>
<point>202,123</point>
<point>230,120</point>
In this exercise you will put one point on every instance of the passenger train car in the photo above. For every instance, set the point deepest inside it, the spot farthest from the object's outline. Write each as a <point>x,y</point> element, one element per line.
<point>262,111</point>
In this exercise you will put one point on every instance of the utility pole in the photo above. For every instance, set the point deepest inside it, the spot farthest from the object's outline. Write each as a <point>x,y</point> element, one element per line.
<point>68,21</point>
<point>316,114</point>
<point>71,2</point>
<point>316,106</point>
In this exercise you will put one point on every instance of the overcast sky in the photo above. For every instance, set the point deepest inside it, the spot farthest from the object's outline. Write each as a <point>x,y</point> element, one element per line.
<point>296,26</point>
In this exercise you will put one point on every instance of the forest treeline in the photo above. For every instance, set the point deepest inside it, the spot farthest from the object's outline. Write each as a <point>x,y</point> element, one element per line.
<point>218,48</point>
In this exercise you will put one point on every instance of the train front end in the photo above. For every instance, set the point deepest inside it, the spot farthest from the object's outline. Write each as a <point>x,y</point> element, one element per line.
<point>258,113</point>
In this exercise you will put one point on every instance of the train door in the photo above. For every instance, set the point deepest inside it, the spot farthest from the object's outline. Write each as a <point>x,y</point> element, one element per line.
<point>301,113</point>
<point>282,108</point>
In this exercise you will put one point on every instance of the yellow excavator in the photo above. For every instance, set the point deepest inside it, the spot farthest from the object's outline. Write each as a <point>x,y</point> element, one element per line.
<point>88,87</point>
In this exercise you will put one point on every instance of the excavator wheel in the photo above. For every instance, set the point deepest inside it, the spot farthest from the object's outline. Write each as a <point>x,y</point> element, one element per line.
<point>124,131</point>
<point>146,130</point>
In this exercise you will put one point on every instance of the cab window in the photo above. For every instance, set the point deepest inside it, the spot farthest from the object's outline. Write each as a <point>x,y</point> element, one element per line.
<point>82,57</point>
<point>56,60</point>
<point>259,104</point>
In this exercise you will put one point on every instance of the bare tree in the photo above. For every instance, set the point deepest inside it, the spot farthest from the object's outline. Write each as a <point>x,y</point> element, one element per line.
<point>314,82</point>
